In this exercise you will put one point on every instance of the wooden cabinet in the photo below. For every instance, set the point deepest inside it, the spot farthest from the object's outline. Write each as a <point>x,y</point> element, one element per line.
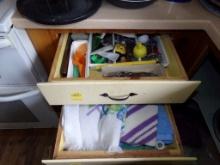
<point>171,87</point>
<point>192,47</point>
<point>45,42</point>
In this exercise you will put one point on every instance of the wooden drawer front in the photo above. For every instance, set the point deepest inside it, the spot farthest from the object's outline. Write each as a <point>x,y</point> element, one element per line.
<point>117,92</point>
<point>120,161</point>
<point>172,153</point>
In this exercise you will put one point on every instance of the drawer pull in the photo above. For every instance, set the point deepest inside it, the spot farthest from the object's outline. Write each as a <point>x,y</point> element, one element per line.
<point>118,98</point>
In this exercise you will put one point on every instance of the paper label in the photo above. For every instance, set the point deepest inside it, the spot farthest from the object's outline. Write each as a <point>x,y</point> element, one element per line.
<point>77,96</point>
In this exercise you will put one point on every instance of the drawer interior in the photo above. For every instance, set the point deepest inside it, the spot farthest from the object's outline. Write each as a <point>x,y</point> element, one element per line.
<point>174,71</point>
<point>170,87</point>
<point>173,150</point>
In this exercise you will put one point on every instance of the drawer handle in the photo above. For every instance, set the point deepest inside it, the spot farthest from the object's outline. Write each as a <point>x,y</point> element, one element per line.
<point>118,98</point>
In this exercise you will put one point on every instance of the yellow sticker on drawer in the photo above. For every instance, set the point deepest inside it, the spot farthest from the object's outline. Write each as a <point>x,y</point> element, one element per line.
<point>76,96</point>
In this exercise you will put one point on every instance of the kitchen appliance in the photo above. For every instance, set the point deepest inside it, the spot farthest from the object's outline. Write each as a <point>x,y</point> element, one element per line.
<point>21,104</point>
<point>131,4</point>
<point>58,12</point>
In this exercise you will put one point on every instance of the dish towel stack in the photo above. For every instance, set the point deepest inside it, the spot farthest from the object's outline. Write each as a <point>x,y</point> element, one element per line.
<point>164,127</point>
<point>71,127</point>
<point>111,124</point>
<point>88,120</point>
<point>141,125</point>
<point>104,127</point>
<point>147,125</point>
<point>95,127</point>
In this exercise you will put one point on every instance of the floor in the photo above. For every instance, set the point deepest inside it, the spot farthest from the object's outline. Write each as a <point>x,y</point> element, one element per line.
<point>26,147</point>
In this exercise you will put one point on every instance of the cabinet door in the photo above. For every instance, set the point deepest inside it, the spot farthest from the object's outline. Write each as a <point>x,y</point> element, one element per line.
<point>45,42</point>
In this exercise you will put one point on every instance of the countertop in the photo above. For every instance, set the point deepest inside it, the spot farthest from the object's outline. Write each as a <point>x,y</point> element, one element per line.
<point>161,15</point>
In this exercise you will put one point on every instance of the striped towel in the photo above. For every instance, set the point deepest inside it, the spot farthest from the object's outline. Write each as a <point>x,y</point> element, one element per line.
<point>141,125</point>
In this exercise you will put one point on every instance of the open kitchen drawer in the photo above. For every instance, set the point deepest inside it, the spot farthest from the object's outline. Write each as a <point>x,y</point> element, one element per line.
<point>171,87</point>
<point>172,153</point>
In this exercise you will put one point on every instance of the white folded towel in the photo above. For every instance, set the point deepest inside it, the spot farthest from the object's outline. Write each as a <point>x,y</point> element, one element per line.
<point>111,123</point>
<point>95,127</point>
<point>71,127</point>
<point>89,119</point>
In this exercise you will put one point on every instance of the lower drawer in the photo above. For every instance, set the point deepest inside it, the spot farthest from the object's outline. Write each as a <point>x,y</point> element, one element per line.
<point>172,153</point>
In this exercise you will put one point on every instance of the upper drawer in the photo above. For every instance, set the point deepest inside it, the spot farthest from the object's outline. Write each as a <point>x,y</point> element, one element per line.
<point>171,87</point>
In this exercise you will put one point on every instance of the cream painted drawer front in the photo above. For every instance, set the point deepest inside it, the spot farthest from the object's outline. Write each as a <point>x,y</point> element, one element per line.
<point>171,154</point>
<point>172,87</point>
<point>112,161</point>
<point>117,92</point>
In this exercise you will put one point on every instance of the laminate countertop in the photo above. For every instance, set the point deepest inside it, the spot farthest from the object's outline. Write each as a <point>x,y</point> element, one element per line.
<point>161,15</point>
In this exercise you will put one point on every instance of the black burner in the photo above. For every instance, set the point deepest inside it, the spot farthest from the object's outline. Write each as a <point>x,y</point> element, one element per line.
<point>57,12</point>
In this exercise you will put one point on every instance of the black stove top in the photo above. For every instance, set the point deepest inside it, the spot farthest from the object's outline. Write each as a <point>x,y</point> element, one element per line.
<point>58,12</point>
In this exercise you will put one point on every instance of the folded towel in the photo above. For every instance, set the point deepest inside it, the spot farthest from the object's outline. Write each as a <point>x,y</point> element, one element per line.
<point>89,119</point>
<point>165,130</point>
<point>110,125</point>
<point>71,127</point>
<point>101,127</point>
<point>141,125</point>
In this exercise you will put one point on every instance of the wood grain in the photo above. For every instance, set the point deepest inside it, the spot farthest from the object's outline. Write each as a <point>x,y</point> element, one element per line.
<point>26,147</point>
<point>192,45</point>
<point>45,42</point>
